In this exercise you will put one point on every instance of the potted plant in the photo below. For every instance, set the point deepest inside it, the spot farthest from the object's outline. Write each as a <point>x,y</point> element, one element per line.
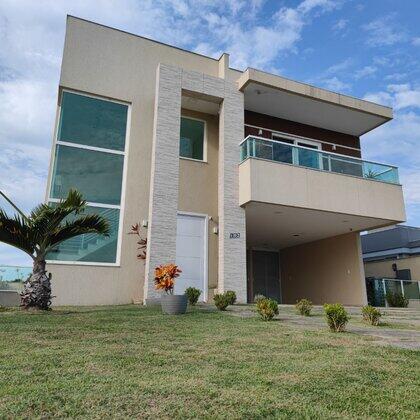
<point>165,276</point>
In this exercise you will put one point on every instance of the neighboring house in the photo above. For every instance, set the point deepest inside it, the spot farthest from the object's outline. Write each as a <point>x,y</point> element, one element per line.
<point>392,260</point>
<point>392,253</point>
<point>249,181</point>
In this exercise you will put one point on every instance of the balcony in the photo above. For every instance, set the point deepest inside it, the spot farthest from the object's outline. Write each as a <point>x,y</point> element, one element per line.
<point>261,148</point>
<point>294,194</point>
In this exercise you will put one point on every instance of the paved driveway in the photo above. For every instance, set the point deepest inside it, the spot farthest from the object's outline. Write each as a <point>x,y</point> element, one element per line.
<point>399,327</point>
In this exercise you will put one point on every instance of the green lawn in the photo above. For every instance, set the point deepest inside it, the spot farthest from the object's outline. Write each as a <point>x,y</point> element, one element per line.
<point>130,361</point>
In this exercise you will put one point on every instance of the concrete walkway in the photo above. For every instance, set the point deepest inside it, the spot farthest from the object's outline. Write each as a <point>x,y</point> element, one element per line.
<point>400,327</point>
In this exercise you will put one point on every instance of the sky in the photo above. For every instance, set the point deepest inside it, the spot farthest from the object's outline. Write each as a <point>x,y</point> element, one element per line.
<point>368,49</point>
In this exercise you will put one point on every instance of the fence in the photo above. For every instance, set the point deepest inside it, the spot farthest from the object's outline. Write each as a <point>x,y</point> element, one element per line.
<point>377,288</point>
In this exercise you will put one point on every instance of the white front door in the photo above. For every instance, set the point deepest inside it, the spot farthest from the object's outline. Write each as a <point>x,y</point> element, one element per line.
<point>191,253</point>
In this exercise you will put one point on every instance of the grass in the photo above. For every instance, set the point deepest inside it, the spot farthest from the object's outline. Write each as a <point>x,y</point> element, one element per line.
<point>128,361</point>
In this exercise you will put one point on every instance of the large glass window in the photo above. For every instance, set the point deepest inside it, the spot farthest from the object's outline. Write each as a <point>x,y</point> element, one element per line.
<point>91,247</point>
<point>192,139</point>
<point>97,175</point>
<point>92,122</point>
<point>85,124</point>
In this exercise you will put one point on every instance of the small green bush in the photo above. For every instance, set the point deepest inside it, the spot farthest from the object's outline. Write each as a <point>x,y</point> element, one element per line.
<point>231,295</point>
<point>371,314</point>
<point>221,301</point>
<point>3,309</point>
<point>396,300</point>
<point>267,308</point>
<point>337,316</point>
<point>257,298</point>
<point>192,294</point>
<point>304,307</point>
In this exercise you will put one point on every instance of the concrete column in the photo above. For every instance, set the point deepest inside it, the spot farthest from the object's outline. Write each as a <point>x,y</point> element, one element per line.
<point>223,65</point>
<point>163,204</point>
<point>161,247</point>
<point>232,239</point>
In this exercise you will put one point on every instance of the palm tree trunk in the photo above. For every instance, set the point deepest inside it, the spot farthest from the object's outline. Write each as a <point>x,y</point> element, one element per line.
<point>37,289</point>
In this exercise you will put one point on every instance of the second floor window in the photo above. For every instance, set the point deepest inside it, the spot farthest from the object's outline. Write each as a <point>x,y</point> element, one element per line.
<point>192,135</point>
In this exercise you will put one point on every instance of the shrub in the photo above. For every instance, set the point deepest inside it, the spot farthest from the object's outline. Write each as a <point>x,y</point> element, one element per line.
<point>221,301</point>
<point>304,307</point>
<point>3,309</point>
<point>371,314</point>
<point>231,295</point>
<point>257,298</point>
<point>165,276</point>
<point>396,300</point>
<point>267,308</point>
<point>337,317</point>
<point>192,294</point>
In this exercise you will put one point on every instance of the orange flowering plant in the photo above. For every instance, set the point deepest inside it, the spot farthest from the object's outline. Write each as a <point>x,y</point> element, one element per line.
<point>165,276</point>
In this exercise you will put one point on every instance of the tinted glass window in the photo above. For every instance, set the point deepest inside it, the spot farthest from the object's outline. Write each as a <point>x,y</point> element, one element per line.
<point>92,122</point>
<point>91,247</point>
<point>97,175</point>
<point>192,139</point>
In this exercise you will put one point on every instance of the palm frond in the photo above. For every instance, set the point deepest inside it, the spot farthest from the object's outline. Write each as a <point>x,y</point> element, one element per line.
<point>22,214</point>
<point>91,223</point>
<point>16,231</point>
<point>73,200</point>
<point>39,210</point>
<point>46,218</point>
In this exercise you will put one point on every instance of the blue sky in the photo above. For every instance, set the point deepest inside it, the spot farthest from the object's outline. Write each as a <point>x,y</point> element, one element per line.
<point>369,49</point>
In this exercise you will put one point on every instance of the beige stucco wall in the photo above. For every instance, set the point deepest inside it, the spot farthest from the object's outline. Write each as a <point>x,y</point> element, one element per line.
<point>121,66</point>
<point>325,271</point>
<point>307,188</point>
<point>384,268</point>
<point>198,188</point>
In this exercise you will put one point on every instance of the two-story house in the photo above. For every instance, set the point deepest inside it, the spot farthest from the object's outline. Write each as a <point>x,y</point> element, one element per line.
<point>248,181</point>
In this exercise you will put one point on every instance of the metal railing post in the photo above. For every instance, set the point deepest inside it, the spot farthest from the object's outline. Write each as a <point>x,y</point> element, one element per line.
<point>383,285</point>
<point>295,156</point>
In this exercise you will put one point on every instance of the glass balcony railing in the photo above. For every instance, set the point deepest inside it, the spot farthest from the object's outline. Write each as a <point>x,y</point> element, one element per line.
<point>258,147</point>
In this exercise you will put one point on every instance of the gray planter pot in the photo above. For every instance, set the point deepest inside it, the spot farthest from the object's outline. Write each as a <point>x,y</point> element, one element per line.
<point>174,304</point>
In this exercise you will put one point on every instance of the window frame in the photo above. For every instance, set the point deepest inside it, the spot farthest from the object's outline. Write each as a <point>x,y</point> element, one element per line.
<point>277,136</point>
<point>121,206</point>
<point>204,160</point>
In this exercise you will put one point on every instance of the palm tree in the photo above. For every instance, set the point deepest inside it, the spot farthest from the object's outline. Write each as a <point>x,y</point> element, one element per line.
<point>42,230</point>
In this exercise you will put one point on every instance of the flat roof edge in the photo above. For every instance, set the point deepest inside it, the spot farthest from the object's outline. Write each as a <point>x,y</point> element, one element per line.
<point>251,75</point>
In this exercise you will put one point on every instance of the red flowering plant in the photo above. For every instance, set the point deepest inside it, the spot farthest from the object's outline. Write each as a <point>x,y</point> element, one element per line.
<point>165,276</point>
<point>142,243</point>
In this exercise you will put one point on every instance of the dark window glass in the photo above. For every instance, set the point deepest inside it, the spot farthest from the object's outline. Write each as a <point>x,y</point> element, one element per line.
<point>91,247</point>
<point>92,122</point>
<point>192,139</point>
<point>97,175</point>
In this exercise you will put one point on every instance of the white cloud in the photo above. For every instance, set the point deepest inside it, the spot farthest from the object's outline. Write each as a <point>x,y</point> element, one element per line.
<point>382,98</point>
<point>334,84</point>
<point>255,45</point>
<point>383,31</point>
<point>339,67</point>
<point>416,41</point>
<point>365,72</point>
<point>397,77</point>
<point>331,78</point>
<point>340,25</point>
<point>398,96</point>
<point>405,96</point>
<point>325,5</point>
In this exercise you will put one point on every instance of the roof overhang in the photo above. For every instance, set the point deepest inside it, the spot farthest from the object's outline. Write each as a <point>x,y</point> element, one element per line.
<point>283,98</point>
